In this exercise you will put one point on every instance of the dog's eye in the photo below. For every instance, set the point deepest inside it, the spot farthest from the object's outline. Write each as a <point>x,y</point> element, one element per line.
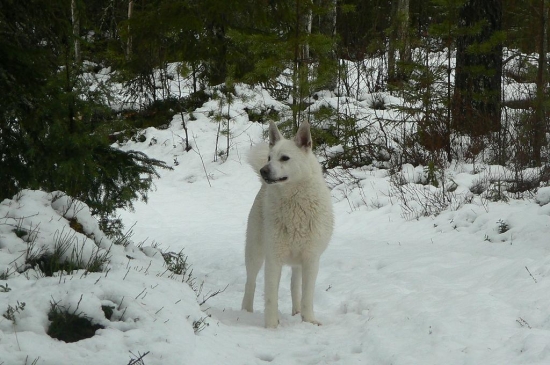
<point>285,158</point>
<point>268,158</point>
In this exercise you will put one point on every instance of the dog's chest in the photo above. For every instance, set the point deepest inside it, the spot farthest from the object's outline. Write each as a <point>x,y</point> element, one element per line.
<point>295,225</point>
<point>295,220</point>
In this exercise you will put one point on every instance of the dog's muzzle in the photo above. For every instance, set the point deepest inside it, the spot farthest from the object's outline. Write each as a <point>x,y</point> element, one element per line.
<point>266,172</point>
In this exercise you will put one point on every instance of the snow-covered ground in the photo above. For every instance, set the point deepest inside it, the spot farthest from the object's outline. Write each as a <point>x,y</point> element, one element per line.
<point>468,286</point>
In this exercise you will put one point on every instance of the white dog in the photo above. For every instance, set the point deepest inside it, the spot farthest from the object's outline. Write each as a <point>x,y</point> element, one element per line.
<point>290,222</point>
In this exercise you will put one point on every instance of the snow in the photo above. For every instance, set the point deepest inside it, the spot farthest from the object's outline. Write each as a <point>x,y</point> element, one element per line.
<point>468,284</point>
<point>147,305</point>
<point>543,195</point>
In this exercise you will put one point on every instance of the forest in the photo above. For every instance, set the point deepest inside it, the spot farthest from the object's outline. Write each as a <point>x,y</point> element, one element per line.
<point>471,77</point>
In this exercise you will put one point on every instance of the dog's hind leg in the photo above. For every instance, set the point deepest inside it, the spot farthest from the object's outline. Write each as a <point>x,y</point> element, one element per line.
<point>254,258</point>
<point>310,268</point>
<point>296,289</point>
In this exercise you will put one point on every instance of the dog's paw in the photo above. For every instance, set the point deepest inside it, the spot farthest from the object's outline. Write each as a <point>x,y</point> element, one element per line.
<point>316,323</point>
<point>271,321</point>
<point>295,312</point>
<point>312,321</point>
<point>271,324</point>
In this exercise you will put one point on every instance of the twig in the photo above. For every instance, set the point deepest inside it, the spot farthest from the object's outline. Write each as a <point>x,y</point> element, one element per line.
<point>139,360</point>
<point>212,294</point>
<point>522,322</point>
<point>141,293</point>
<point>530,274</point>
<point>198,152</point>
<point>16,337</point>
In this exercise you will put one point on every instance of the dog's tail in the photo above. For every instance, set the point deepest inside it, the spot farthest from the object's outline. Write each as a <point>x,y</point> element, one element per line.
<point>257,156</point>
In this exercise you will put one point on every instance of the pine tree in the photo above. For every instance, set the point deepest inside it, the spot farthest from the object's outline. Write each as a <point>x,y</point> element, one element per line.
<point>283,40</point>
<point>477,96</point>
<point>399,43</point>
<point>53,133</point>
<point>361,28</point>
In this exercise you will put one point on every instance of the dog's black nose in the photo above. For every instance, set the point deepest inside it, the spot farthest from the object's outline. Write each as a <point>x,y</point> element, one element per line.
<point>264,171</point>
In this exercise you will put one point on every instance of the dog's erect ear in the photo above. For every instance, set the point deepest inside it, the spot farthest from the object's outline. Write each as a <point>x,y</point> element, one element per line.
<point>303,136</point>
<point>274,134</point>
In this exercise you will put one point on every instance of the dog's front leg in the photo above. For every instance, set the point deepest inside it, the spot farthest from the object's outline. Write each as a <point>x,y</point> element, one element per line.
<point>310,268</point>
<point>296,289</point>
<point>254,259</point>
<point>272,279</point>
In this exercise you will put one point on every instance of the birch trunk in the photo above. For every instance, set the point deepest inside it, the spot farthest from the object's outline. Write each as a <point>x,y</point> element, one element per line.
<point>129,41</point>
<point>308,21</point>
<point>76,30</point>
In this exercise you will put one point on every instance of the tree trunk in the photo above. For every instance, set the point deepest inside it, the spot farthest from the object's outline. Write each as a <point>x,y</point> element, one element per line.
<point>392,45</point>
<point>76,30</point>
<point>300,80</point>
<point>399,43</point>
<point>538,131</point>
<point>478,74</point>
<point>403,32</point>
<point>327,27</point>
<point>218,67</point>
<point>307,22</point>
<point>129,41</point>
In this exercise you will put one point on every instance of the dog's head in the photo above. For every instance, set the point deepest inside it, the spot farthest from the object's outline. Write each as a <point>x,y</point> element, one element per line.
<point>289,160</point>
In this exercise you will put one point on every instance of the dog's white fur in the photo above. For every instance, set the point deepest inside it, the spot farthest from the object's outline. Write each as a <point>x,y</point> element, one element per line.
<point>290,222</point>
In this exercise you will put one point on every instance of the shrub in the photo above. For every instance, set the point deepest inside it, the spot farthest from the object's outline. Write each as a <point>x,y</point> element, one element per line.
<point>9,314</point>
<point>70,326</point>
<point>50,262</point>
